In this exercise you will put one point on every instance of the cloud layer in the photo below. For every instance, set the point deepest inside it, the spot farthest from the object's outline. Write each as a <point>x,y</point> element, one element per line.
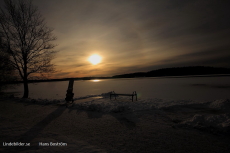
<point>137,35</point>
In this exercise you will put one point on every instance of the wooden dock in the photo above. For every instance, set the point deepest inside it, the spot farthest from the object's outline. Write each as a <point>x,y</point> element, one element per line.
<point>120,94</point>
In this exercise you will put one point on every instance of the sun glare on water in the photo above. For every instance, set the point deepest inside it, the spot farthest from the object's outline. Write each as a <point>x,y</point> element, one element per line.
<point>96,80</point>
<point>95,59</point>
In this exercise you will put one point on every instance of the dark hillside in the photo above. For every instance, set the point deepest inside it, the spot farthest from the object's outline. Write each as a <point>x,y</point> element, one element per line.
<point>178,71</point>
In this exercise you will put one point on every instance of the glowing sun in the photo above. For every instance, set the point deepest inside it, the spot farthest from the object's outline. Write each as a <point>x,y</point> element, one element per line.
<point>95,59</point>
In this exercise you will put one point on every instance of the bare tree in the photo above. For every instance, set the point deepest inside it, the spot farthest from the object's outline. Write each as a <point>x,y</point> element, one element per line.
<point>27,39</point>
<point>6,70</point>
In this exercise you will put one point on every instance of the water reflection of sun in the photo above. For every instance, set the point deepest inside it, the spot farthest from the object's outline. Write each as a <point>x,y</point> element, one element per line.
<point>96,80</point>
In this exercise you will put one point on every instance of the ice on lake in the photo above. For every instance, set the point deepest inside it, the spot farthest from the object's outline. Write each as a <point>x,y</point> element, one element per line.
<point>190,88</point>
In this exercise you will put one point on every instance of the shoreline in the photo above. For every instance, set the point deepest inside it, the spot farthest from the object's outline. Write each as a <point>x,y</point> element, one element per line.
<point>107,78</point>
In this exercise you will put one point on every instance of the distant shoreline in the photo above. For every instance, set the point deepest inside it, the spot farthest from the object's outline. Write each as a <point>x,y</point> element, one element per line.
<point>103,78</point>
<point>178,72</point>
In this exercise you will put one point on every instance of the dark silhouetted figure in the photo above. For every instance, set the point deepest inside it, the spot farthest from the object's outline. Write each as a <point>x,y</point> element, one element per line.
<point>69,94</point>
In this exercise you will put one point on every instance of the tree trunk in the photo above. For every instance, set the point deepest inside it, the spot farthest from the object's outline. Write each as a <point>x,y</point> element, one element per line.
<point>26,88</point>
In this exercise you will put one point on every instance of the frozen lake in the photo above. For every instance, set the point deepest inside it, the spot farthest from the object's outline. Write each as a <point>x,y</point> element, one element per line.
<point>179,88</point>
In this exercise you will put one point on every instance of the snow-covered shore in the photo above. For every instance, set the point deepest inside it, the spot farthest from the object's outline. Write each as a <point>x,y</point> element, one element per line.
<point>217,112</point>
<point>96,123</point>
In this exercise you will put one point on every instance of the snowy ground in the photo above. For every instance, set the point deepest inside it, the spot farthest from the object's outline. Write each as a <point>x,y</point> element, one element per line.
<point>97,124</point>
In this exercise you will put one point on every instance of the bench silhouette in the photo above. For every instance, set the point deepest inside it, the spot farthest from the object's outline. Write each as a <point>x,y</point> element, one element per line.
<point>120,94</point>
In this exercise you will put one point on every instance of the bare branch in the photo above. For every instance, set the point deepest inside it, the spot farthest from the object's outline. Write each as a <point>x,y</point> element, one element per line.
<point>28,39</point>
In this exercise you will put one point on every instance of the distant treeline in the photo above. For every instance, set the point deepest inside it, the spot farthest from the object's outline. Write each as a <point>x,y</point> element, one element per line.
<point>177,71</point>
<point>64,79</point>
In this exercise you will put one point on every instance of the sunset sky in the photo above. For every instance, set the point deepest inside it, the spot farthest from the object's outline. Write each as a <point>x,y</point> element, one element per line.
<point>137,35</point>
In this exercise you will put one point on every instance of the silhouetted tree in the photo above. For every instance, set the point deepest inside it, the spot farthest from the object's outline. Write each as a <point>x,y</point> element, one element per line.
<point>6,70</point>
<point>27,39</point>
